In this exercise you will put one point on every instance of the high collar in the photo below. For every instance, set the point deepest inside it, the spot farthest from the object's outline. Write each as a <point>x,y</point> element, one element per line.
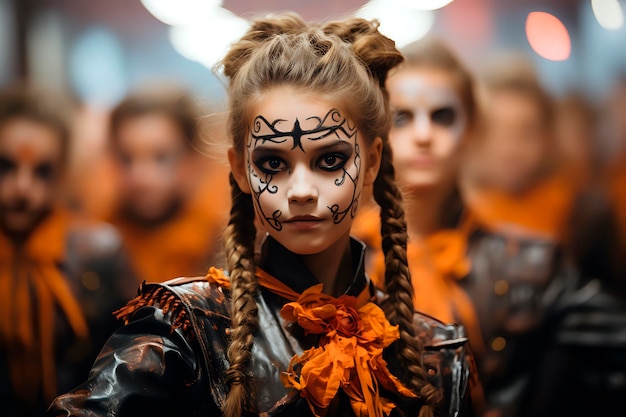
<point>288,267</point>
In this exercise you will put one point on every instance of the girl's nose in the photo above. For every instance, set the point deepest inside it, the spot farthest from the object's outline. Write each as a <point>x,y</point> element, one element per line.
<point>301,188</point>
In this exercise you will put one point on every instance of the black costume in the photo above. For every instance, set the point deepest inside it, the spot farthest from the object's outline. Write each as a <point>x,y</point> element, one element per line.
<point>520,287</point>
<point>170,359</point>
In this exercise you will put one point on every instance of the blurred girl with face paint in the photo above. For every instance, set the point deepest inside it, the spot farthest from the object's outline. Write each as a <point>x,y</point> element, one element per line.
<point>434,114</point>
<point>495,284</point>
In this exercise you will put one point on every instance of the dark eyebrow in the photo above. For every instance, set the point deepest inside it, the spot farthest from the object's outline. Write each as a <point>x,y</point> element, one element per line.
<point>337,146</point>
<point>268,149</point>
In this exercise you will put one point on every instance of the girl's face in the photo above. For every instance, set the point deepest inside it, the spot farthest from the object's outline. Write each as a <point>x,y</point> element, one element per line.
<point>428,123</point>
<point>304,164</point>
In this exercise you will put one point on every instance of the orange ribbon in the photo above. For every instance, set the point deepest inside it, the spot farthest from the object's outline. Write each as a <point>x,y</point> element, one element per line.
<point>353,333</point>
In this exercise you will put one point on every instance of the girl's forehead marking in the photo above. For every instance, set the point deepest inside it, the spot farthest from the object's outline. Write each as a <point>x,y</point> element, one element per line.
<point>313,128</point>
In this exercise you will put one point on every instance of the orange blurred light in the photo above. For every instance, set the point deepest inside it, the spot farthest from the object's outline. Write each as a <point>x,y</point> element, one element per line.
<point>548,36</point>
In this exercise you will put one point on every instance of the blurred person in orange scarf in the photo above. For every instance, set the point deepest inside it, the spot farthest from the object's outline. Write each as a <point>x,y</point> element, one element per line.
<point>515,181</point>
<point>60,278</point>
<point>494,283</point>
<point>166,209</point>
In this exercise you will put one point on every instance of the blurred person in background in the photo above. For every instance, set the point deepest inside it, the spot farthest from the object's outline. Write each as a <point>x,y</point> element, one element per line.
<point>583,369</point>
<point>60,278</point>
<point>166,211</point>
<point>498,284</point>
<point>515,181</point>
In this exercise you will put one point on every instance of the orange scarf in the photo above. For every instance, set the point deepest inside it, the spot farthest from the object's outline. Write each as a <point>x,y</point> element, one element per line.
<point>354,332</point>
<point>541,211</point>
<point>31,287</point>
<point>437,263</point>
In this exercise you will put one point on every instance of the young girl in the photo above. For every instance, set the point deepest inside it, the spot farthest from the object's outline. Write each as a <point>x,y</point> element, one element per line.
<point>298,329</point>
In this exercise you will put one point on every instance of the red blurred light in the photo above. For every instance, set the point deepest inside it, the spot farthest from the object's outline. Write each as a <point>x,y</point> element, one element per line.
<point>548,36</point>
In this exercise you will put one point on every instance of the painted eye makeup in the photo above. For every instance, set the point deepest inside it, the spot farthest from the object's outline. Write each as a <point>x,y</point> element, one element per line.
<point>332,161</point>
<point>444,116</point>
<point>270,164</point>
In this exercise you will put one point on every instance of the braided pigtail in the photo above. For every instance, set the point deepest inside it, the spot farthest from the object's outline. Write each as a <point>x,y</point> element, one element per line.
<point>239,242</point>
<point>398,280</point>
<point>379,55</point>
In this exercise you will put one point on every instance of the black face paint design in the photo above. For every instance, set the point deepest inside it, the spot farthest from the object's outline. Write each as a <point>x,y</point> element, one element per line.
<point>265,131</point>
<point>296,133</point>
<point>338,213</point>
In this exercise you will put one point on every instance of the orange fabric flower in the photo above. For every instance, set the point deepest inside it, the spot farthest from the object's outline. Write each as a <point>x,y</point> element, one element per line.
<point>349,355</point>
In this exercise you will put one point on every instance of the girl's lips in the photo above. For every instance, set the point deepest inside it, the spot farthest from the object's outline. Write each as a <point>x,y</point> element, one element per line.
<point>304,222</point>
<point>423,161</point>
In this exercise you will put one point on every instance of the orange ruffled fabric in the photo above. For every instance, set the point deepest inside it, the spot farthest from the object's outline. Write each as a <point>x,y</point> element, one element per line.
<point>350,353</point>
<point>541,211</point>
<point>31,288</point>
<point>437,264</point>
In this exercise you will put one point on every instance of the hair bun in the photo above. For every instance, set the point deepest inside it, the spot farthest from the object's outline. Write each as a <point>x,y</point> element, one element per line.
<point>259,32</point>
<point>378,52</point>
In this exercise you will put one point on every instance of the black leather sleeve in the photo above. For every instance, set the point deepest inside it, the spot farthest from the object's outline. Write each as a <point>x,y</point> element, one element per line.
<point>142,367</point>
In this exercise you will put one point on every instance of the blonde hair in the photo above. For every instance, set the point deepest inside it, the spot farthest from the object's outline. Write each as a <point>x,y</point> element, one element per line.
<point>348,62</point>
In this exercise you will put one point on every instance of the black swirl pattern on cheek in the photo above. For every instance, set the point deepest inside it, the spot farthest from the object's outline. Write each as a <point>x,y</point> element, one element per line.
<point>259,185</point>
<point>338,213</point>
<point>332,123</point>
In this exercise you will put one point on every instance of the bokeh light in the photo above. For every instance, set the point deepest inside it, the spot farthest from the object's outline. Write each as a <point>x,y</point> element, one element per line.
<point>548,36</point>
<point>609,13</point>
<point>96,68</point>
<point>402,24</point>
<point>181,12</point>
<point>423,4</point>
<point>207,43</point>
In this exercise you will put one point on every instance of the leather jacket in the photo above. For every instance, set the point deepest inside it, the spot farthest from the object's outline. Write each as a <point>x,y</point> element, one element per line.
<point>585,357</point>
<point>518,286</point>
<point>170,358</point>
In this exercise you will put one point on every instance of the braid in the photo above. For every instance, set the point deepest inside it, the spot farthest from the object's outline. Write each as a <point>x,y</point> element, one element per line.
<point>239,241</point>
<point>398,280</point>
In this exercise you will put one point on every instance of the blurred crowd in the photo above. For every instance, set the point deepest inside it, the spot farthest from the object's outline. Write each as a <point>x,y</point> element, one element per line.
<point>516,204</point>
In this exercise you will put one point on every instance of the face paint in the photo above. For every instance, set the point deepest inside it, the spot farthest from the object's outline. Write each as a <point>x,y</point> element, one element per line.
<point>429,121</point>
<point>304,163</point>
<point>430,107</point>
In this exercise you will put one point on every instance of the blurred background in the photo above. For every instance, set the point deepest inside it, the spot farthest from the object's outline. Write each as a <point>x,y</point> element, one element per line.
<point>98,50</point>
<point>545,156</point>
